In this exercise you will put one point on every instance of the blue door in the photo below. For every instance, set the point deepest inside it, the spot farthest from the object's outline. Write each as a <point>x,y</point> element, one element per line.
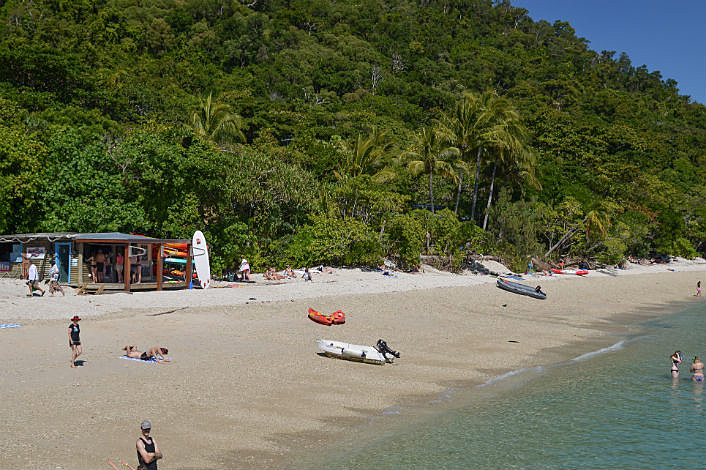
<point>62,258</point>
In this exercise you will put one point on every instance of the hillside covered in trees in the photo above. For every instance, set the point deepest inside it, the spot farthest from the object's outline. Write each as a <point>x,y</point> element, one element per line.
<point>324,131</point>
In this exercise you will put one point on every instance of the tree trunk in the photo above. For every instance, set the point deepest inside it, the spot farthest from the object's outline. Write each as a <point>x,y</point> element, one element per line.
<point>458,192</point>
<point>490,196</point>
<point>382,229</point>
<point>431,192</point>
<point>475,187</point>
<point>567,235</point>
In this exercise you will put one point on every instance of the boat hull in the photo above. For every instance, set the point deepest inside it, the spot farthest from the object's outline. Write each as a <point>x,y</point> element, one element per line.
<point>521,289</point>
<point>351,352</point>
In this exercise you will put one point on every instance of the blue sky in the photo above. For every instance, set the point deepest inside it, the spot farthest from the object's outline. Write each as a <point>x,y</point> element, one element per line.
<point>663,35</point>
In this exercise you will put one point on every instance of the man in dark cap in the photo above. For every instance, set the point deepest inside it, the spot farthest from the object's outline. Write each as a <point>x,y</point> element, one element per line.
<point>147,451</point>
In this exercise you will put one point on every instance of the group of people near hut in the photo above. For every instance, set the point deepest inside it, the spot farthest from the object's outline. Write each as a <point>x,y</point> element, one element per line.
<point>100,261</point>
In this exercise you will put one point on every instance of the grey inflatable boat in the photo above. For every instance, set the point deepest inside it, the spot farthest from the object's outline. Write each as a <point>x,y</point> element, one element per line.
<point>517,288</point>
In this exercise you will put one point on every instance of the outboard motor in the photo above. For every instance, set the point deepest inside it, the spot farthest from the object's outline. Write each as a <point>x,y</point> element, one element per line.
<point>384,349</point>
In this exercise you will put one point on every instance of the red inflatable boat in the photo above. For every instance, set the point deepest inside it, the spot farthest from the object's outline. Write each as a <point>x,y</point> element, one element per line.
<point>336,318</point>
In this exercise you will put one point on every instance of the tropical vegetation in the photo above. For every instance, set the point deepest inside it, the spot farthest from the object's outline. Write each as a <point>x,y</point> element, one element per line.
<point>316,131</point>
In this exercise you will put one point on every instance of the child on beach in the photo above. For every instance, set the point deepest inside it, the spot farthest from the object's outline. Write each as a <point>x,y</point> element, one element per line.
<point>54,285</point>
<point>307,275</point>
<point>75,339</point>
<point>698,289</point>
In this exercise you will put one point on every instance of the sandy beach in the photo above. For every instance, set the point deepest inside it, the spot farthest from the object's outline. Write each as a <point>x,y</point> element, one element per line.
<point>246,387</point>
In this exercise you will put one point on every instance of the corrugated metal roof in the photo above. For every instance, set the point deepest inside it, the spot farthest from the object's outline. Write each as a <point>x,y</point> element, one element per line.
<point>106,236</point>
<point>27,237</point>
<point>127,237</point>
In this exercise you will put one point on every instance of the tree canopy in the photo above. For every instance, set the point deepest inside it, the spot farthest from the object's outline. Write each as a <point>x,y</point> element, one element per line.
<point>274,126</point>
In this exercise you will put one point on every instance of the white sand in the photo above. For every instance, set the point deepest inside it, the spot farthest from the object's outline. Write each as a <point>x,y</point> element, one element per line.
<point>246,387</point>
<point>15,305</point>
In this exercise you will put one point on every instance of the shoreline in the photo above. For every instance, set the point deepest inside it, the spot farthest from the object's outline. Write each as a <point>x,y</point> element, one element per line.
<point>246,378</point>
<point>415,409</point>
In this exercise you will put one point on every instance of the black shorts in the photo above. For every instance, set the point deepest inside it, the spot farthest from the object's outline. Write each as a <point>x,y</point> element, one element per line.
<point>76,343</point>
<point>100,266</point>
<point>145,357</point>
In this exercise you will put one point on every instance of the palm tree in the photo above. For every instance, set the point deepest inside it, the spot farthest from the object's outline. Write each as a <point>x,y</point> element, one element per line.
<point>473,127</point>
<point>215,122</point>
<point>507,140</point>
<point>365,156</point>
<point>459,127</point>
<point>429,156</point>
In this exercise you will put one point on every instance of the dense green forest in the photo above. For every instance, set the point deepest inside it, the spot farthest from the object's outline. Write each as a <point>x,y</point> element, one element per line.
<point>320,131</point>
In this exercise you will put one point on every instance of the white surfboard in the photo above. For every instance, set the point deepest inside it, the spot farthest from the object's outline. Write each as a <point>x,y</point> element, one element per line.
<point>201,264</point>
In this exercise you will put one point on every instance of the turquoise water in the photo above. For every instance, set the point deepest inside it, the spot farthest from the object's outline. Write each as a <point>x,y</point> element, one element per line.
<point>619,408</point>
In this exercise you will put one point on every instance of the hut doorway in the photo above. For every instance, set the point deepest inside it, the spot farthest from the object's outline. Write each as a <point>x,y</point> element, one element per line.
<point>62,258</point>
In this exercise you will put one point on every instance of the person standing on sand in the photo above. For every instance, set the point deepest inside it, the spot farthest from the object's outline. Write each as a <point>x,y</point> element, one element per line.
<point>697,370</point>
<point>75,339</point>
<point>147,451</point>
<point>245,269</point>
<point>33,279</point>
<point>54,285</point>
<point>698,289</point>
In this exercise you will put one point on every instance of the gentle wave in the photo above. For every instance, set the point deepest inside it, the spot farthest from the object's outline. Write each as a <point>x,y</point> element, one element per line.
<point>509,374</point>
<point>615,347</point>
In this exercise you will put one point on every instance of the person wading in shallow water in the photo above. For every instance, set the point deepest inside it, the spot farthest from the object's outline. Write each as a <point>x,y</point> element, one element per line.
<point>697,369</point>
<point>676,360</point>
<point>147,451</point>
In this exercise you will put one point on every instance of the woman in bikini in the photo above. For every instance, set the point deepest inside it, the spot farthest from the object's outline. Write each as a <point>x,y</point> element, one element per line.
<point>157,353</point>
<point>697,370</point>
<point>676,360</point>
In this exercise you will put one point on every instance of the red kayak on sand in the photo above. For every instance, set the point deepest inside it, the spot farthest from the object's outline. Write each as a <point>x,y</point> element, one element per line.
<point>564,271</point>
<point>336,318</point>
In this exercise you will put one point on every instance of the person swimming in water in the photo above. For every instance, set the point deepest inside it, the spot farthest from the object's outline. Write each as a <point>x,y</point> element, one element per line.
<point>153,353</point>
<point>676,360</point>
<point>697,370</point>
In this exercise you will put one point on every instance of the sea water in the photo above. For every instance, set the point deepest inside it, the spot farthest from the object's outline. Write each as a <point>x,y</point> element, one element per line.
<point>615,408</point>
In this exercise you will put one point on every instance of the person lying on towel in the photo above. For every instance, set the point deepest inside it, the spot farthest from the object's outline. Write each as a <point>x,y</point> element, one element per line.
<point>153,353</point>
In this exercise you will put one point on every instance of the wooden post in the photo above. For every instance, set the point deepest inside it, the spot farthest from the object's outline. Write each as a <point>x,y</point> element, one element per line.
<point>126,267</point>
<point>159,266</point>
<point>189,275</point>
<point>79,282</point>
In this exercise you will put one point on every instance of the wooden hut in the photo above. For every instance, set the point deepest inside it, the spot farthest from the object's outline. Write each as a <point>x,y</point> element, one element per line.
<point>111,260</point>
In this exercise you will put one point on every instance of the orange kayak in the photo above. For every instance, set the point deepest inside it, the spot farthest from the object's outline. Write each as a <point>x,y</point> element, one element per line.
<point>336,318</point>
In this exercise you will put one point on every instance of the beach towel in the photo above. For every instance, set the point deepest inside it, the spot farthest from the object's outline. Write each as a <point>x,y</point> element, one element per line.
<point>9,325</point>
<point>152,360</point>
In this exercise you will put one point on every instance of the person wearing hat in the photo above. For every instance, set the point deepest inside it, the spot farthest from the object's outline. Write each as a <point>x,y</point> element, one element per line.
<point>147,451</point>
<point>245,269</point>
<point>74,339</point>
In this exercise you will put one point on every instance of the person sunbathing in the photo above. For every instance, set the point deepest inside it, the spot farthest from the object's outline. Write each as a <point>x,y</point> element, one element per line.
<point>153,353</point>
<point>289,273</point>
<point>273,275</point>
